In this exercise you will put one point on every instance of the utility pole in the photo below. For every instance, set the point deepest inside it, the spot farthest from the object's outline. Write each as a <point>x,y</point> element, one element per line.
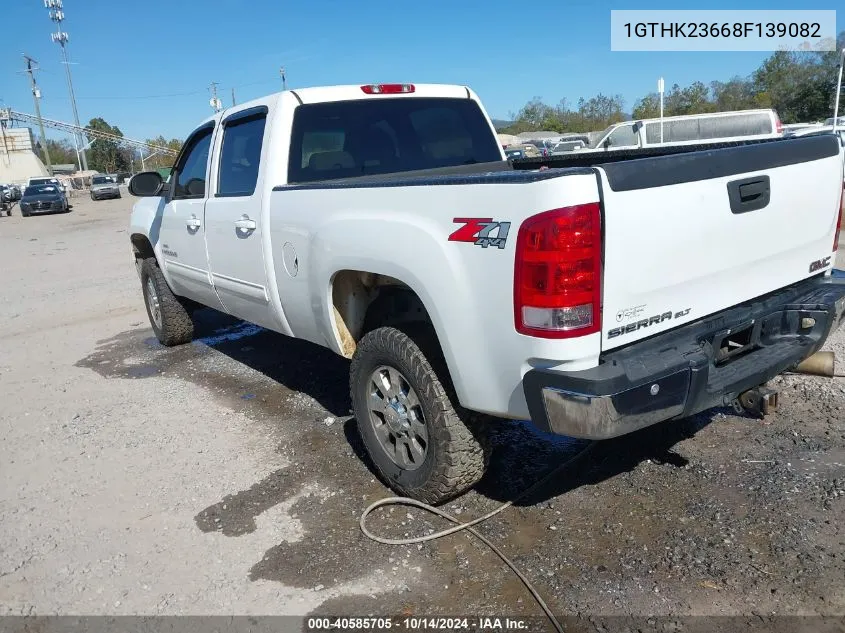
<point>233,97</point>
<point>661,87</point>
<point>61,38</point>
<point>284,78</point>
<point>36,97</point>
<point>215,103</point>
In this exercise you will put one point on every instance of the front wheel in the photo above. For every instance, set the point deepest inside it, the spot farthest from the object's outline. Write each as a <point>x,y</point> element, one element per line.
<point>171,322</point>
<point>423,444</point>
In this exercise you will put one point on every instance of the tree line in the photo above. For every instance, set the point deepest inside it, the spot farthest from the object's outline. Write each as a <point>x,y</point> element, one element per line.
<point>801,86</point>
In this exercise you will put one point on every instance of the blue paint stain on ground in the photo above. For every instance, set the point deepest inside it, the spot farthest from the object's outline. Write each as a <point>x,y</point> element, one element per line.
<point>232,333</point>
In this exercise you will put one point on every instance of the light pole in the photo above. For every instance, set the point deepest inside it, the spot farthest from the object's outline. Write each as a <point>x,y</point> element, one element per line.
<point>660,88</point>
<point>61,37</point>
<point>838,91</point>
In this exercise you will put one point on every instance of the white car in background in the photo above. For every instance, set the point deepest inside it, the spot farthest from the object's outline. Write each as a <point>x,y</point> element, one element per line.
<point>715,127</point>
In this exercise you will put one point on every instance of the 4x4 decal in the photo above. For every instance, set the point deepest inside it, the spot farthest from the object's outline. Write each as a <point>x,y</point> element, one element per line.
<point>477,231</point>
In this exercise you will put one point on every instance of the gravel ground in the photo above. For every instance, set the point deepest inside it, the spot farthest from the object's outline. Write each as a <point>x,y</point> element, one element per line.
<point>226,477</point>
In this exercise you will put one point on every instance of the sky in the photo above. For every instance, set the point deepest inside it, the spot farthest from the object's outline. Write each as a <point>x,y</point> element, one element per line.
<point>146,67</point>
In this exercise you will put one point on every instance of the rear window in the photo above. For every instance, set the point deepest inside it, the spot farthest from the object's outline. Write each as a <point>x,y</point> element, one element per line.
<point>381,136</point>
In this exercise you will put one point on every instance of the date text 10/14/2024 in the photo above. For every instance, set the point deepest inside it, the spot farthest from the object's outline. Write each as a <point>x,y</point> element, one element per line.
<point>416,623</point>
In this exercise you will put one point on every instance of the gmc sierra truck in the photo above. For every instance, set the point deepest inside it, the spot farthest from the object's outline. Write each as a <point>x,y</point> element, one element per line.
<point>595,295</point>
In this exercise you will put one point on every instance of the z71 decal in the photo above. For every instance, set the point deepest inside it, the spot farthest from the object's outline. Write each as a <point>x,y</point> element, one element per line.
<point>477,231</point>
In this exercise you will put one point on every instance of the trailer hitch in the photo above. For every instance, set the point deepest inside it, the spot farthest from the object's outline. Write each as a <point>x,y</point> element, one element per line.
<point>760,401</point>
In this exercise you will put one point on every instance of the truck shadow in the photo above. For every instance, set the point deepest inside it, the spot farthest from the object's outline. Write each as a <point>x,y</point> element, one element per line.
<point>293,363</point>
<point>521,454</point>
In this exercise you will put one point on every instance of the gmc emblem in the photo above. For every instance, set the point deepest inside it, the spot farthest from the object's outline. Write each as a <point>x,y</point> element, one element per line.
<point>819,264</point>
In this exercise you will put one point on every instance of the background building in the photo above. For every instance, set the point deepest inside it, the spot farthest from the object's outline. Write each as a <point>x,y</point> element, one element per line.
<point>18,160</point>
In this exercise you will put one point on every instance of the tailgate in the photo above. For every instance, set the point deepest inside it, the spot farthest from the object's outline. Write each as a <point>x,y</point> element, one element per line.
<point>691,234</point>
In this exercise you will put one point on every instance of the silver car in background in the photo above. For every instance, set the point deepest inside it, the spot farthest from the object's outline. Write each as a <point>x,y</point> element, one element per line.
<point>104,186</point>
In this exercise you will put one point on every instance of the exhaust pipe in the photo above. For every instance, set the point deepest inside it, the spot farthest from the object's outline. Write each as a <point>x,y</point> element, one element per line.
<point>819,364</point>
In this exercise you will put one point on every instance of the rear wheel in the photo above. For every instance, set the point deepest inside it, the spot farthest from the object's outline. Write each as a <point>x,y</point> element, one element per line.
<point>422,443</point>
<point>171,323</point>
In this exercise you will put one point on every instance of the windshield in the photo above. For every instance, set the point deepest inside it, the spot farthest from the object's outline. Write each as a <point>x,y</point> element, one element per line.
<point>36,190</point>
<point>102,180</point>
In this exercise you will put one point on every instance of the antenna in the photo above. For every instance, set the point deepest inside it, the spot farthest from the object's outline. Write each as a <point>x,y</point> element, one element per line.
<point>57,15</point>
<point>284,78</point>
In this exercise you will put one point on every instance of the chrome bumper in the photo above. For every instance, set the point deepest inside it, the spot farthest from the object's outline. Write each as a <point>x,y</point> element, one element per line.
<point>675,374</point>
<point>603,417</point>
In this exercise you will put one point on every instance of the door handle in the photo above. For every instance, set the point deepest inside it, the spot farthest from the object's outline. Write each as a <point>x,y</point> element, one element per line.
<point>749,194</point>
<point>193,222</point>
<point>245,224</point>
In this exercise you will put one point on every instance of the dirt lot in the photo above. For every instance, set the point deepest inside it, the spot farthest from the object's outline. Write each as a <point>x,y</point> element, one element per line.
<point>225,477</point>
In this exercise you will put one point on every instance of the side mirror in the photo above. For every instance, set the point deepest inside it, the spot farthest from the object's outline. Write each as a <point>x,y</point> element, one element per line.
<point>147,184</point>
<point>606,143</point>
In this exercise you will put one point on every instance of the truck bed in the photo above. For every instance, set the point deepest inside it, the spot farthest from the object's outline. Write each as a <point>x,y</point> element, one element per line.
<point>620,165</point>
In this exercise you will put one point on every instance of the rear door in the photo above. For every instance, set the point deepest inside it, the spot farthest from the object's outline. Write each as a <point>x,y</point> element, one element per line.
<point>233,218</point>
<point>691,234</point>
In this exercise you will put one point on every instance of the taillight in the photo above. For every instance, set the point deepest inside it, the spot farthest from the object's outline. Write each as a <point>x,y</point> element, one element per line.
<point>557,273</point>
<point>388,89</point>
<point>778,125</point>
<point>839,220</point>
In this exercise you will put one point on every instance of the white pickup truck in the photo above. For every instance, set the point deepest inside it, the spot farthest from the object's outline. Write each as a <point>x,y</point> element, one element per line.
<point>383,222</point>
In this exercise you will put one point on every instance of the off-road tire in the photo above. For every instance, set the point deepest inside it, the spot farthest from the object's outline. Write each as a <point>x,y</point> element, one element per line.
<point>177,327</point>
<point>458,450</point>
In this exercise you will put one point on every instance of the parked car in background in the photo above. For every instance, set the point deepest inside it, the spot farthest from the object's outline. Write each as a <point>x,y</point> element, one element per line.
<point>543,146</point>
<point>43,180</point>
<point>5,200</point>
<point>104,186</point>
<point>691,129</point>
<point>49,198</point>
<point>567,146</point>
<point>14,192</point>
<point>527,150</point>
<point>840,121</point>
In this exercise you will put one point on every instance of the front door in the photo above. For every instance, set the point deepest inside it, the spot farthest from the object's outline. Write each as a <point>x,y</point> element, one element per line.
<point>182,232</point>
<point>234,230</point>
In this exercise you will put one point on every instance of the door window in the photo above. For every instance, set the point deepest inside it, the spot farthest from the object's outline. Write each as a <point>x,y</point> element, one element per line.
<point>624,136</point>
<point>189,174</point>
<point>240,155</point>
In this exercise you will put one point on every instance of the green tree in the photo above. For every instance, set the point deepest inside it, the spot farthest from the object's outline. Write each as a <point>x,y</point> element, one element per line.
<point>61,152</point>
<point>105,155</point>
<point>157,161</point>
<point>648,107</point>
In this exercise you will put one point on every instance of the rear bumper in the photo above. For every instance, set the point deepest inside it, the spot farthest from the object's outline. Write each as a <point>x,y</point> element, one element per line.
<point>676,374</point>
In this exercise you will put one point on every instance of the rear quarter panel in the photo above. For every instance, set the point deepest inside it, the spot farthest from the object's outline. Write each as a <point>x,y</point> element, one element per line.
<point>403,232</point>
